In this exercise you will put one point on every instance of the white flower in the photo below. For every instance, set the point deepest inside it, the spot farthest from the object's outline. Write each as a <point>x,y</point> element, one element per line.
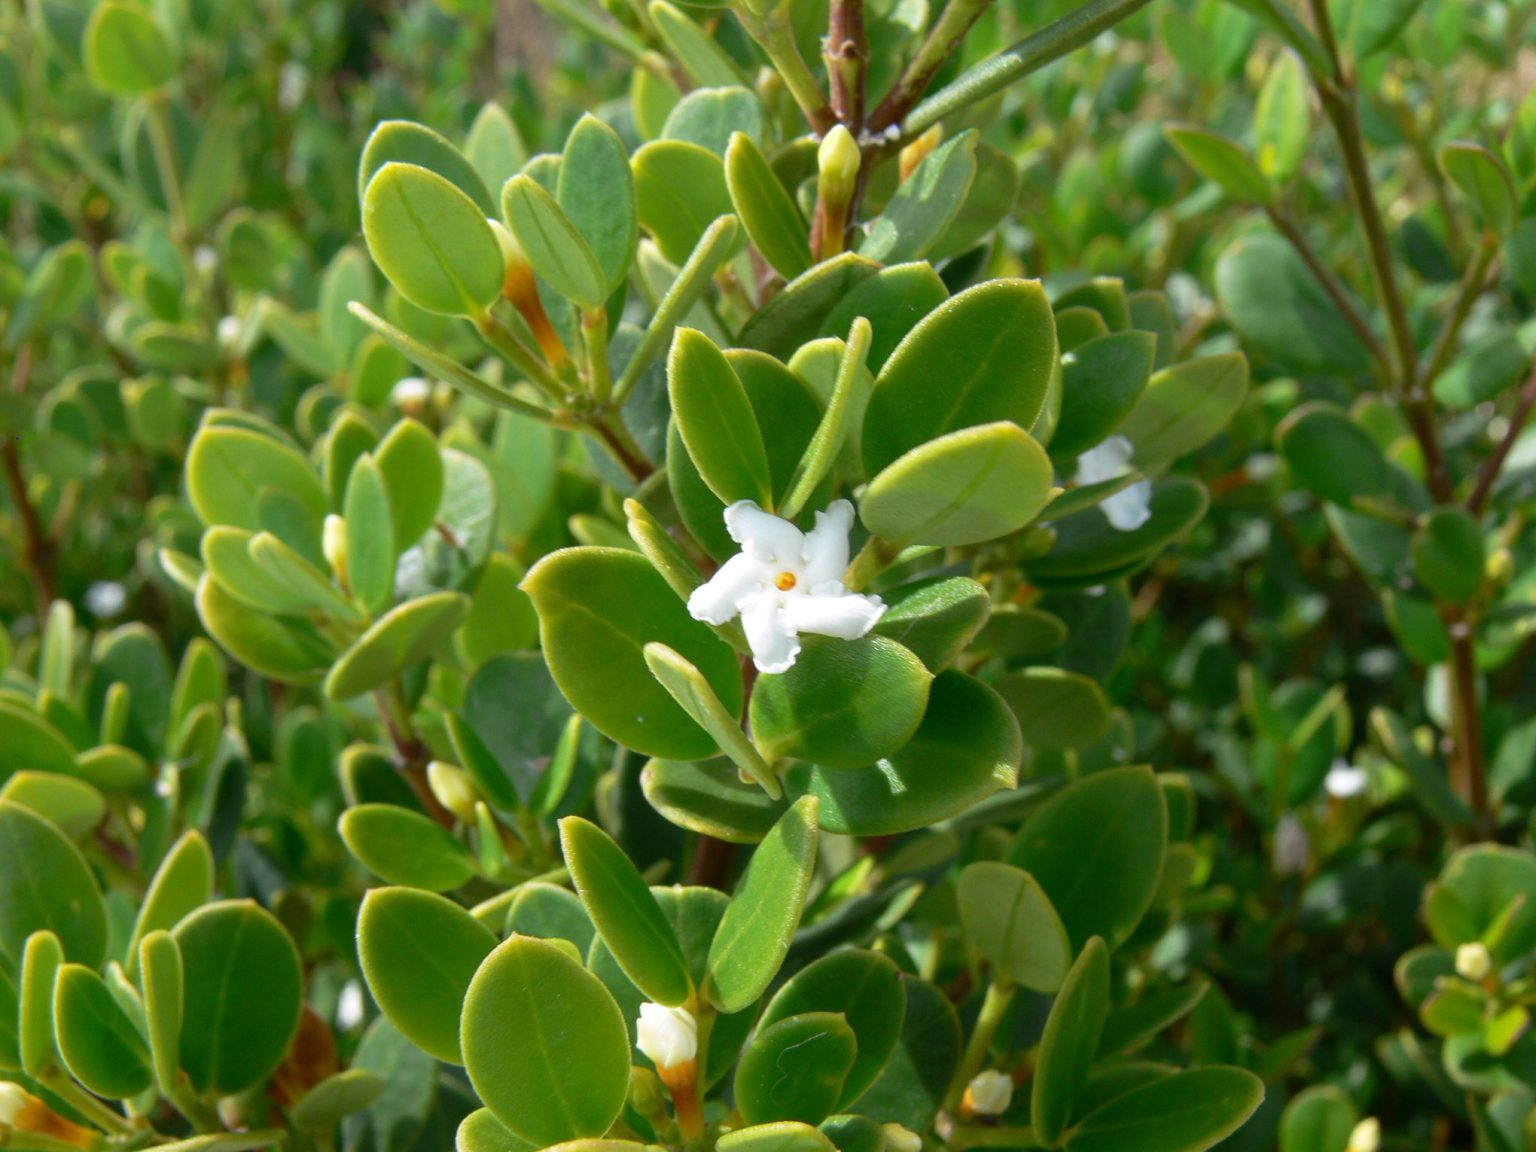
<point>1345,781</point>
<point>669,1036</point>
<point>1292,846</point>
<point>13,1100</point>
<point>412,392</point>
<point>899,1139</point>
<point>105,599</point>
<point>1473,961</point>
<point>784,583</point>
<point>989,1093</point>
<point>1366,1136</point>
<point>1128,508</point>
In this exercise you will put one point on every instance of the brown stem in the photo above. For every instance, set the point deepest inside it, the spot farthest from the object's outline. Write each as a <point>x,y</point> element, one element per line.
<point>712,860</point>
<point>1328,281</point>
<point>610,430</point>
<point>846,51</point>
<point>1489,474</point>
<point>943,39</point>
<point>39,548</point>
<point>1467,770</point>
<point>411,757</point>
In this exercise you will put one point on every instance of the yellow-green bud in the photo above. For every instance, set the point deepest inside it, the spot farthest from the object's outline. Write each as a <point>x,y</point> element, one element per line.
<point>333,543</point>
<point>1473,962</point>
<point>837,161</point>
<point>453,789</point>
<point>1366,1136</point>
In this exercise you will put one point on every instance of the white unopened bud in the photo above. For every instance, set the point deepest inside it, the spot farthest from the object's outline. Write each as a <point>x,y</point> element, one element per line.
<point>349,1006</point>
<point>13,1098</point>
<point>989,1093</point>
<point>228,332</point>
<point>333,543</point>
<point>1366,1136</point>
<point>411,393</point>
<point>105,599</point>
<point>899,1139</point>
<point>669,1036</point>
<point>1473,961</point>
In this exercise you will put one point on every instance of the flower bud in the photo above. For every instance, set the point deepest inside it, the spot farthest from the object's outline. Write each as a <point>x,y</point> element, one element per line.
<point>837,161</point>
<point>1366,1136</point>
<point>22,1112</point>
<point>1473,962</point>
<point>411,394</point>
<point>521,288</point>
<point>899,1139</point>
<point>453,790</point>
<point>206,260</point>
<point>228,333</point>
<point>333,543</point>
<point>669,1036</point>
<point>989,1093</point>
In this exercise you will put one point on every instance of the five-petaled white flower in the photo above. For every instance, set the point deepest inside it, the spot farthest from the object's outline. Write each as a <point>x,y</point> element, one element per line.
<point>989,1093</point>
<point>668,1036</point>
<point>786,582</point>
<point>1128,508</point>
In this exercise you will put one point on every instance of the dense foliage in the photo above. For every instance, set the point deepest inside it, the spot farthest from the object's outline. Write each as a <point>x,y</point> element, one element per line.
<point>781,575</point>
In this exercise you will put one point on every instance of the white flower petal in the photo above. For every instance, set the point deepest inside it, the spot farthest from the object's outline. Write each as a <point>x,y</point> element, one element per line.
<point>716,600</point>
<point>668,1036</point>
<point>1129,508</point>
<point>774,645</point>
<point>1105,461</point>
<point>846,617</point>
<point>767,537</point>
<point>826,546</point>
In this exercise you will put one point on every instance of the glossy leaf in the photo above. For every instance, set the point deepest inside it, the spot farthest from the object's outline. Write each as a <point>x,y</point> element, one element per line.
<point>405,847</point>
<point>1070,1041</point>
<point>1186,1112</point>
<point>45,884</point>
<point>1009,920</point>
<point>716,421</point>
<point>100,1045</point>
<point>821,1049</point>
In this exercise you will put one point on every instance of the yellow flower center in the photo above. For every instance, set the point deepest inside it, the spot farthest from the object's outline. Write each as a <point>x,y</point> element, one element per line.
<point>785,582</point>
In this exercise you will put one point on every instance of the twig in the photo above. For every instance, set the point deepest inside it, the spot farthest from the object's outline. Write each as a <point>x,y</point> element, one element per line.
<point>1488,476</point>
<point>1329,282</point>
<point>39,548</point>
<point>846,52</point>
<point>1472,286</point>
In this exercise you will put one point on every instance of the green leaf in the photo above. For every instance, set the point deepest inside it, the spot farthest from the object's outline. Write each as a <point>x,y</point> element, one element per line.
<point>407,635</point>
<point>965,487</point>
<point>161,978</point>
<point>550,913</point>
<point>1319,1119</point>
<point>844,703</point>
<point>716,421</point>
<point>405,847</point>
<point>709,117</point>
<point>1088,550</point>
<point>231,1041</point>
<point>994,346</point>
<point>1011,923</point>
<point>925,205</point>
<point>554,246</point>
<point>27,741</point>
<point>598,608</point>
<point>412,468</point>
<point>339,1094</point>
<point>767,211</point>
<point>127,51</point>
<point>936,619</point>
<point>821,1048</point>
<point>779,1136</point>
<point>288,651</point>
<point>1055,708</point>
<point>1221,160</point>
<point>419,953</point>
<point>494,146</point>
<point>917,1075</point>
<point>1186,1112</point>
<point>755,933</point>
<point>181,884</point>
<point>480,1131</point>
<point>1448,555</point>
<point>544,1044</point>
<point>596,192</point>
<point>370,536</point>
<point>865,990</point>
<point>1184,407</point>
<point>691,690</point>
<point>98,1042</point>
<point>1282,119</point>
<point>624,912</point>
<point>1333,457</point>
<point>710,798</point>
<point>680,190</point>
<point>1070,1041</point>
<point>229,469</point>
<point>1102,380</point>
<point>1097,848</point>
<point>73,806</point>
<point>966,748</point>
<point>1481,177</point>
<point>701,59</point>
<point>41,958</point>
<point>1275,303</point>
<point>1520,144</point>
<point>797,314</point>
<point>406,142</point>
<point>45,884</point>
<point>432,241</point>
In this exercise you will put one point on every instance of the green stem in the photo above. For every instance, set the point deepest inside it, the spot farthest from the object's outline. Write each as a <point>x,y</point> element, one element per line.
<point>777,37</point>
<point>1472,286</point>
<point>608,427</point>
<point>943,38</point>
<point>87,1105</point>
<point>594,337</point>
<point>828,439</point>
<point>525,360</point>
<point>164,148</point>
<point>993,1007</point>
<point>1330,284</point>
<point>874,558</point>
